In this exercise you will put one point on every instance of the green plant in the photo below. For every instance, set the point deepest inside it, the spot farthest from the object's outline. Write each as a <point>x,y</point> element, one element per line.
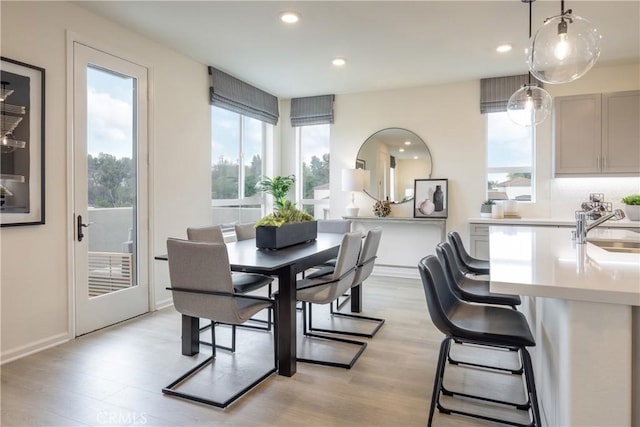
<point>284,210</point>
<point>278,187</point>
<point>488,203</point>
<point>633,199</point>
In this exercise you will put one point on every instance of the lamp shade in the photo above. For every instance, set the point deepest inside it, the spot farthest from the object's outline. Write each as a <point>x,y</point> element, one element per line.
<point>529,105</point>
<point>354,179</point>
<point>563,49</point>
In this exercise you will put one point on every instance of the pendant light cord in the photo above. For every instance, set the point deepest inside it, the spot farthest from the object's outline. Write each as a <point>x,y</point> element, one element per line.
<point>530,13</point>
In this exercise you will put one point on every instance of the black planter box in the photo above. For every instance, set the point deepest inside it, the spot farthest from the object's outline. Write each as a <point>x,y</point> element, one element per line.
<point>271,237</point>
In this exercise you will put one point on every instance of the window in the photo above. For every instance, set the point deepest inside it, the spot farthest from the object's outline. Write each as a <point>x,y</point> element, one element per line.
<point>238,144</point>
<point>510,154</point>
<point>313,188</point>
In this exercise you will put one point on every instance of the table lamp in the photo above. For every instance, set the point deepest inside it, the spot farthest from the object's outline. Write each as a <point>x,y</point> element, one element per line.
<point>354,180</point>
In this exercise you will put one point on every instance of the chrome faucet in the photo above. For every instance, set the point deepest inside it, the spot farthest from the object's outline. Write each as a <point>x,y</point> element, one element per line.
<point>582,227</point>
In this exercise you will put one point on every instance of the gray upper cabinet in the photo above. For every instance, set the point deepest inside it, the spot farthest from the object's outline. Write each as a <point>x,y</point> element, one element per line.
<point>597,134</point>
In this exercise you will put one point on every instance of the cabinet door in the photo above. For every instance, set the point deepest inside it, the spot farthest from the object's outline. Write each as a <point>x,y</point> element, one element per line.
<point>577,134</point>
<point>621,133</point>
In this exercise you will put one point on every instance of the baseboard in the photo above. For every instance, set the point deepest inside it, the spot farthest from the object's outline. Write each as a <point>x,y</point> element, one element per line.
<point>164,303</point>
<point>35,347</point>
<point>396,271</point>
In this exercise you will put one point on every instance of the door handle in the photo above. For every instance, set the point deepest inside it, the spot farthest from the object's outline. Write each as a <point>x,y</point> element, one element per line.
<point>80,226</point>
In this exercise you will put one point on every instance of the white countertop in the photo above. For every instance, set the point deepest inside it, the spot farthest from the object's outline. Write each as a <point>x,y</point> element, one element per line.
<point>560,222</point>
<point>546,262</point>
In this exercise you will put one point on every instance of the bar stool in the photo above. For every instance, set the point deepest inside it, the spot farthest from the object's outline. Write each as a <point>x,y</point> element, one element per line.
<point>473,265</point>
<point>470,289</point>
<point>478,324</point>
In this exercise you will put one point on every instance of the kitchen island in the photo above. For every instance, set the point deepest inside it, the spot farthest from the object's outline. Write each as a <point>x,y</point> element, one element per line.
<point>582,304</point>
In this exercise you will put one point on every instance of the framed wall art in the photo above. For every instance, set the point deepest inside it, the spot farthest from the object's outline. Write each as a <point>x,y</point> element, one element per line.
<point>21,143</point>
<point>431,198</point>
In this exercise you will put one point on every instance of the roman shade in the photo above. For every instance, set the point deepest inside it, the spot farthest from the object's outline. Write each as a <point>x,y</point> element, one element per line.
<point>312,110</point>
<point>495,92</point>
<point>235,95</point>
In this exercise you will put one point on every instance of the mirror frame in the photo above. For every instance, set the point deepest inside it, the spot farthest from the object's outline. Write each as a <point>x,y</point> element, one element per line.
<point>415,138</point>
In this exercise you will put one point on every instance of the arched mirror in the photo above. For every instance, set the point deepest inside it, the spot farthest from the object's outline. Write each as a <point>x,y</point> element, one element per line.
<point>394,157</point>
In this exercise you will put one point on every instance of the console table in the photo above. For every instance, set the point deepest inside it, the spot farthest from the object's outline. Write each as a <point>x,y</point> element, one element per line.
<point>405,241</point>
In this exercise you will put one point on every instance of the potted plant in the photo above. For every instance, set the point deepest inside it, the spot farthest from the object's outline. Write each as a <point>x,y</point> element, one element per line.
<point>632,206</point>
<point>485,208</point>
<point>287,225</point>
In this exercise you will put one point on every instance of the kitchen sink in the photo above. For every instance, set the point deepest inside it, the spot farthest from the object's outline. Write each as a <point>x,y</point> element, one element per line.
<point>617,246</point>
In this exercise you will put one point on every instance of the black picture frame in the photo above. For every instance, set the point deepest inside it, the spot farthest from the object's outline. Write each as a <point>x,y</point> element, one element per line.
<point>22,155</point>
<point>361,164</point>
<point>431,198</point>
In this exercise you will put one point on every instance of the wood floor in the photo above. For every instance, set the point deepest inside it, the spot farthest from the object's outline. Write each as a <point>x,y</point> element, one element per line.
<point>114,377</point>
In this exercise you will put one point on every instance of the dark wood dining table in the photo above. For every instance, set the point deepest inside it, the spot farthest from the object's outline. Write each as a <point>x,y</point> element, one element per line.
<point>284,264</point>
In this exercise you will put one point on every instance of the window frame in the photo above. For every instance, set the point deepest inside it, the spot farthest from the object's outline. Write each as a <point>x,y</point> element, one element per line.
<point>257,199</point>
<point>299,170</point>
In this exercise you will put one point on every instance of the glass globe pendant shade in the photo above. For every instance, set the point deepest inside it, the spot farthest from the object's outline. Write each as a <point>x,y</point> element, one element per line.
<point>529,105</point>
<point>563,49</point>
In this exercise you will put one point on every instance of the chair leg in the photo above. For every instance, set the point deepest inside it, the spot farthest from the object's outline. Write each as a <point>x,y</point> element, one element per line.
<point>531,403</point>
<point>213,337</point>
<point>307,333</point>
<point>171,388</point>
<point>531,387</point>
<point>437,383</point>
<point>379,324</point>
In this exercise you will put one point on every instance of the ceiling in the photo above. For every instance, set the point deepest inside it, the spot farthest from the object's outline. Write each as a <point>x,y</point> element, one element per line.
<point>387,44</point>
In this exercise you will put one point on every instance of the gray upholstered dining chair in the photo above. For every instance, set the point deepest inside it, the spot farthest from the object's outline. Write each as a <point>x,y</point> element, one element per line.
<point>209,233</point>
<point>242,282</point>
<point>202,287</point>
<point>337,226</point>
<point>365,265</point>
<point>326,289</point>
<point>245,231</point>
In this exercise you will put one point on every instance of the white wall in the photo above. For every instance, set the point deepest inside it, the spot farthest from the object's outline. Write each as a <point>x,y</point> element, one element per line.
<point>35,286</point>
<point>448,119</point>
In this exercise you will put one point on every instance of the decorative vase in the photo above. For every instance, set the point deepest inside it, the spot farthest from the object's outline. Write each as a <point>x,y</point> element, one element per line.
<point>426,207</point>
<point>497,211</point>
<point>438,199</point>
<point>633,212</point>
<point>382,208</point>
<point>485,211</point>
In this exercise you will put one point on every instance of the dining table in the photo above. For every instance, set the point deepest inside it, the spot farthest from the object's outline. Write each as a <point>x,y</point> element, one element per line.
<point>285,264</point>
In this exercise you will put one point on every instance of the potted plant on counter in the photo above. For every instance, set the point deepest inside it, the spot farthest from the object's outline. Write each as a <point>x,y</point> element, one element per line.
<point>632,206</point>
<point>287,225</point>
<point>485,208</point>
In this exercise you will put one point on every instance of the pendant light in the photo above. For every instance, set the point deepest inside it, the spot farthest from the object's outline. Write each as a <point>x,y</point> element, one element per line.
<point>564,48</point>
<point>531,104</point>
<point>8,142</point>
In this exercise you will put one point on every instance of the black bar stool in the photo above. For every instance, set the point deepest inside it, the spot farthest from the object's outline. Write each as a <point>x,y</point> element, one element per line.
<point>478,324</point>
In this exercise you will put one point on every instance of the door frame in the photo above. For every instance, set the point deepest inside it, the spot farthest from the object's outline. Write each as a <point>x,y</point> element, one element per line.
<point>72,38</point>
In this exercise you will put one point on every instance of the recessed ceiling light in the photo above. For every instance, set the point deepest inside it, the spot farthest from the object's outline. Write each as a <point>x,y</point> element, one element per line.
<point>339,62</point>
<point>415,157</point>
<point>504,48</point>
<point>407,143</point>
<point>401,150</point>
<point>290,17</point>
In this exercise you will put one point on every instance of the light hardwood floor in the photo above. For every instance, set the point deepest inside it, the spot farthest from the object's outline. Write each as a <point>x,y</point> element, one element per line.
<point>115,376</point>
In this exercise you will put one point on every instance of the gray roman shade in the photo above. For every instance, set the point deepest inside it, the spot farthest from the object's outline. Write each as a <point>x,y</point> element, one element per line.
<point>235,95</point>
<point>312,110</point>
<point>495,92</point>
